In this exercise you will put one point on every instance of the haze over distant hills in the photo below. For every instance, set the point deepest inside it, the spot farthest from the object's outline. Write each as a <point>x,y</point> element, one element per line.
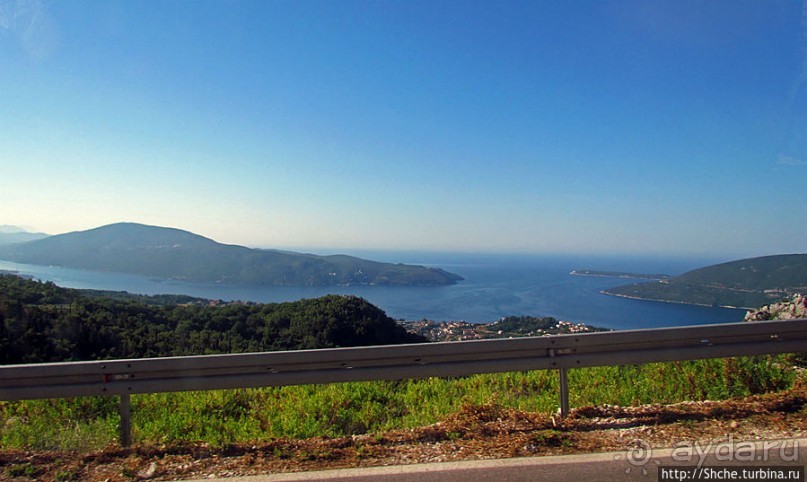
<point>16,234</point>
<point>176,254</point>
<point>746,283</point>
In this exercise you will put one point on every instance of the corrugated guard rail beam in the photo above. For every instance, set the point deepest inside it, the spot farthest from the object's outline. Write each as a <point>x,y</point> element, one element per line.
<point>393,362</point>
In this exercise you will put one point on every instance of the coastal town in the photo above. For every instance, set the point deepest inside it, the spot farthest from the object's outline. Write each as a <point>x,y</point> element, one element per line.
<point>508,327</point>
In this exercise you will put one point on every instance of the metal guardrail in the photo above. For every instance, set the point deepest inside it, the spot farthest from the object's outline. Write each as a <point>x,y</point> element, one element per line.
<point>393,362</point>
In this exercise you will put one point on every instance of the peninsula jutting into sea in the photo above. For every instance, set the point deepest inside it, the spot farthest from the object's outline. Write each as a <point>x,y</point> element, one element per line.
<point>618,274</point>
<point>746,283</point>
<point>170,253</point>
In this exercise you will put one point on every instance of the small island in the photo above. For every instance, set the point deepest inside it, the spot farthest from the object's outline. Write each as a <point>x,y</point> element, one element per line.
<point>618,274</point>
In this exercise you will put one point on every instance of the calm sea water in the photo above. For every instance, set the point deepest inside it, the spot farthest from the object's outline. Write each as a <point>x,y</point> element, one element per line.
<point>494,286</point>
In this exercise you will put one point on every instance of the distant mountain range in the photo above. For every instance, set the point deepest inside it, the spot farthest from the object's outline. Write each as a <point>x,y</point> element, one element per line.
<point>746,283</point>
<point>16,234</point>
<point>176,254</point>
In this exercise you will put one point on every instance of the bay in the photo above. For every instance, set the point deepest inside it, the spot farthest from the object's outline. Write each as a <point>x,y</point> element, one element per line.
<point>494,286</point>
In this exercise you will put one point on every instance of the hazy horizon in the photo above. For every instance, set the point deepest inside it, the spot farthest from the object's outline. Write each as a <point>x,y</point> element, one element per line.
<point>663,128</point>
<point>438,256</point>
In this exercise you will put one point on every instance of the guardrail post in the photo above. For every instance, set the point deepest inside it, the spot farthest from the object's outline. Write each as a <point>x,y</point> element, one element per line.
<point>125,410</point>
<point>564,392</point>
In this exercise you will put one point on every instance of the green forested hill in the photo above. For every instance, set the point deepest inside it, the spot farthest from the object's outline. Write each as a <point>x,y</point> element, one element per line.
<point>747,283</point>
<point>41,322</point>
<point>176,254</point>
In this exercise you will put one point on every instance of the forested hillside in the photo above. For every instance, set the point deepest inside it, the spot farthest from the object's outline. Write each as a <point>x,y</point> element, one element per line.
<point>746,283</point>
<point>176,254</point>
<point>41,322</point>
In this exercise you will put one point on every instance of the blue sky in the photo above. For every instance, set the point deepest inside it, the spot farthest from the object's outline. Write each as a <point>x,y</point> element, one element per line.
<point>636,126</point>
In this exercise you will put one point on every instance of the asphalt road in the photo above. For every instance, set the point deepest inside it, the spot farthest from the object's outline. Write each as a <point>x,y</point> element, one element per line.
<point>639,464</point>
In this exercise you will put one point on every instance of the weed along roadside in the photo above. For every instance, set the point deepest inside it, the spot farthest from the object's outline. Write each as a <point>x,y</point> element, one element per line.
<point>486,423</point>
